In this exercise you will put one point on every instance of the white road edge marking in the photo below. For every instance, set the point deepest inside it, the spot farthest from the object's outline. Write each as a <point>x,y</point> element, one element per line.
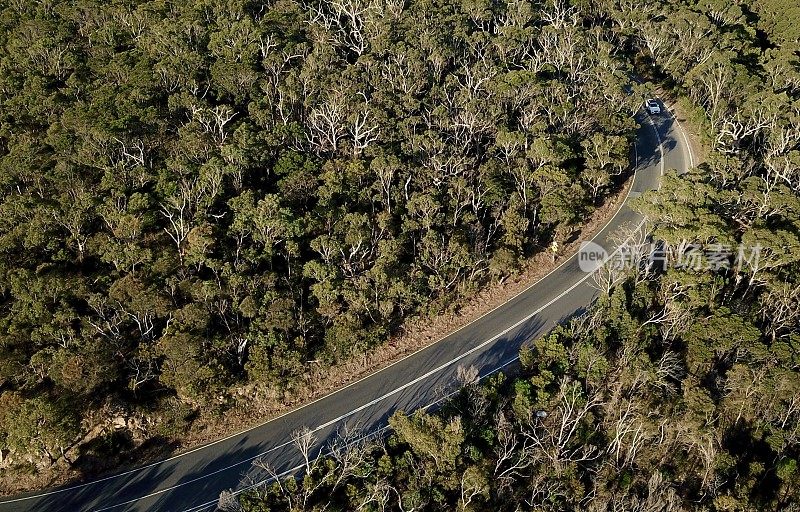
<point>683,134</point>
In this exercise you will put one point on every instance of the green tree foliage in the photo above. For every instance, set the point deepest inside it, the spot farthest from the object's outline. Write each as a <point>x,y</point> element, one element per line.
<point>679,389</point>
<point>206,194</point>
<point>703,419</point>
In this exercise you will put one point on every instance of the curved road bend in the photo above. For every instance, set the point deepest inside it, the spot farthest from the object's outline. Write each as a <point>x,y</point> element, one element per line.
<point>193,480</point>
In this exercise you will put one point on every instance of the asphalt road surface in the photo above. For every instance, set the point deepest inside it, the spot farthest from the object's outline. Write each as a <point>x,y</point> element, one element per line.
<point>193,480</point>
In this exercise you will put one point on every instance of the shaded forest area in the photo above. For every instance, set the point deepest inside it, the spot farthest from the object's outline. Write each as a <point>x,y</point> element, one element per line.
<point>680,390</point>
<point>207,196</point>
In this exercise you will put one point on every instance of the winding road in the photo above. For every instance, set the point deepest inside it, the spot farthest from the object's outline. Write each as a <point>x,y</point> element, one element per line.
<point>193,480</point>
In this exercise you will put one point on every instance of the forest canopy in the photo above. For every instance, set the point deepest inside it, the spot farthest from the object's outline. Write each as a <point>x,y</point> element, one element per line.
<point>206,196</point>
<point>202,195</point>
<point>680,389</point>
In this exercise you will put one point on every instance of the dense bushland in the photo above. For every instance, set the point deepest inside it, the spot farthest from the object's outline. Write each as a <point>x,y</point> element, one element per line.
<point>680,390</point>
<point>203,196</point>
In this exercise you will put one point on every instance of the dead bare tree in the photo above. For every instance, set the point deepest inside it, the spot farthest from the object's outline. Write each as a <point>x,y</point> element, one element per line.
<point>214,120</point>
<point>402,72</point>
<point>781,308</point>
<point>363,131</point>
<point>472,485</point>
<point>561,15</point>
<point>298,496</point>
<point>674,315</point>
<point>303,439</point>
<point>376,497</point>
<point>661,497</point>
<point>609,275</point>
<point>713,90</point>
<point>513,453</point>
<point>740,125</point>
<point>630,259</point>
<point>670,368</point>
<point>554,436</point>
<point>350,22</point>
<point>466,375</point>
<point>178,211</point>
<point>704,447</point>
<point>627,434</point>
<point>227,502</point>
<point>327,123</point>
<point>349,450</point>
<point>542,490</point>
